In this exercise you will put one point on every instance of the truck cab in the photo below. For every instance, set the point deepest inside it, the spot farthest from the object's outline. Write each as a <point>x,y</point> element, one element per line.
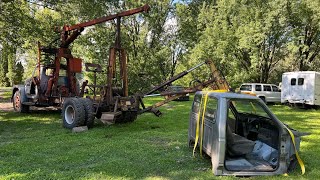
<point>241,135</point>
<point>34,92</point>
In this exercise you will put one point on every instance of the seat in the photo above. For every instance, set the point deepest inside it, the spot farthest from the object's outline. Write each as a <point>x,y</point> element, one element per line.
<point>238,145</point>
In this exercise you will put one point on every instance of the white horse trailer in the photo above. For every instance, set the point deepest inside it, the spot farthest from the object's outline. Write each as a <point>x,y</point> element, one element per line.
<point>301,87</point>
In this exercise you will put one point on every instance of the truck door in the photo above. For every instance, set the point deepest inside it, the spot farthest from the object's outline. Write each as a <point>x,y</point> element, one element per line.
<point>267,92</point>
<point>276,93</point>
<point>210,125</point>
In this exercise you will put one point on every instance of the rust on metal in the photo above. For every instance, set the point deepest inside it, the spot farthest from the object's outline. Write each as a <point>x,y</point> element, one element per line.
<point>174,78</point>
<point>68,34</point>
<point>144,8</point>
<point>114,100</point>
<point>220,81</point>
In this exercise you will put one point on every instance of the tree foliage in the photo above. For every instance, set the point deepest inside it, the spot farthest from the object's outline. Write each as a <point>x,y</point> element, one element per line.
<point>250,41</point>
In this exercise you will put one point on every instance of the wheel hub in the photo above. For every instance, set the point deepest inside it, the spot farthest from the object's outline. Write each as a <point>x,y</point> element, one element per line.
<point>17,102</point>
<point>69,114</point>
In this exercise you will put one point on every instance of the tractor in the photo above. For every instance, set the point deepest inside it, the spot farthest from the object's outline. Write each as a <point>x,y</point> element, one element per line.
<point>55,82</point>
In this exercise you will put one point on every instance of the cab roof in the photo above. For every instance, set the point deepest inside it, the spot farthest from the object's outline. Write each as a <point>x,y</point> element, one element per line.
<point>227,95</point>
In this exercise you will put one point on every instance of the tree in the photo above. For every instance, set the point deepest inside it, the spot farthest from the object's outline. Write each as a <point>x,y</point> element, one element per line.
<point>18,78</point>
<point>4,66</point>
<point>12,73</point>
<point>304,24</point>
<point>16,25</point>
<point>245,39</point>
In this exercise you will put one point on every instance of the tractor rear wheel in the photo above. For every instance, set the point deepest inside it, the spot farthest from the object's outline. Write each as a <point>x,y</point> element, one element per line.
<point>73,113</point>
<point>17,103</point>
<point>89,111</point>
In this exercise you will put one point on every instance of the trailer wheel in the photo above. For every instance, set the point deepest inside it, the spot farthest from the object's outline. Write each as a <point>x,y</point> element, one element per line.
<point>89,111</point>
<point>73,113</point>
<point>17,103</point>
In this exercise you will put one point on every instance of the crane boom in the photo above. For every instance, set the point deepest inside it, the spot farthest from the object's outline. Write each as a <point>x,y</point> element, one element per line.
<point>71,33</point>
<point>130,12</point>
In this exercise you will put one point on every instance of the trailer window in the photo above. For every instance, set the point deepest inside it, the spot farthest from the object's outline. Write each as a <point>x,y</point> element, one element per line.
<point>293,81</point>
<point>300,81</point>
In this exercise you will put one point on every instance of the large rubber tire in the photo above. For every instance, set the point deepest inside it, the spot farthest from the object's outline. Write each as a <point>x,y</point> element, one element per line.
<point>89,112</point>
<point>73,113</point>
<point>17,103</point>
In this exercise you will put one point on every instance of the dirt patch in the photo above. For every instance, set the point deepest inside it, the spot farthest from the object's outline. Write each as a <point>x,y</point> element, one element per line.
<point>6,107</point>
<point>5,104</point>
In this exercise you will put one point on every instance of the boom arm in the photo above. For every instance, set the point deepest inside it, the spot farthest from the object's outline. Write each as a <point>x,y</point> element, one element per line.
<point>67,38</point>
<point>217,82</point>
<point>180,75</point>
<point>130,12</point>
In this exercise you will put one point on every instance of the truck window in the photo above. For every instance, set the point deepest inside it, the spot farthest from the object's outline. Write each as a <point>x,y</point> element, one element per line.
<point>246,88</point>
<point>275,89</point>
<point>49,72</point>
<point>196,103</point>
<point>249,107</point>
<point>300,81</point>
<point>293,81</point>
<point>62,72</point>
<point>211,109</point>
<point>258,87</point>
<point>266,88</point>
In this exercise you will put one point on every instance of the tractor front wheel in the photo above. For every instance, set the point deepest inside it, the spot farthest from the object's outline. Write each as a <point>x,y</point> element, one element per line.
<point>73,113</point>
<point>17,103</point>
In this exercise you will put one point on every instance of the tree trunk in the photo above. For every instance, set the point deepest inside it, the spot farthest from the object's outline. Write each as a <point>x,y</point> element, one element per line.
<point>11,74</point>
<point>4,81</point>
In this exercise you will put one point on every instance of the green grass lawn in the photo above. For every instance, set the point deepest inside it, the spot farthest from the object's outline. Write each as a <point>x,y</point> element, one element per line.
<point>35,146</point>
